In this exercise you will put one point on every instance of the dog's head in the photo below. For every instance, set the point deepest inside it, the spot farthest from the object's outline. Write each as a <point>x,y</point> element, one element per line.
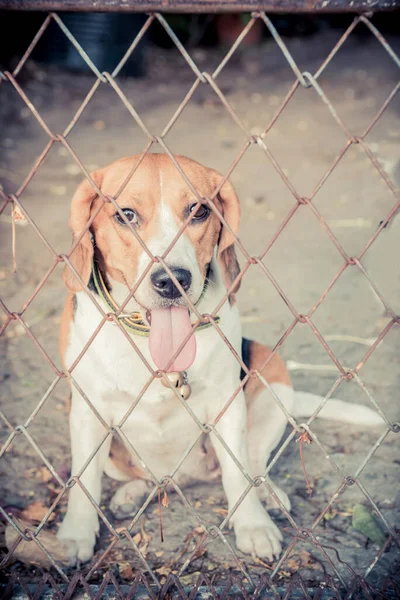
<point>156,201</point>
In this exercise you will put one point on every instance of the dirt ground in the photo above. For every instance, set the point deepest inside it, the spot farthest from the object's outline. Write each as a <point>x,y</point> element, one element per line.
<point>305,141</point>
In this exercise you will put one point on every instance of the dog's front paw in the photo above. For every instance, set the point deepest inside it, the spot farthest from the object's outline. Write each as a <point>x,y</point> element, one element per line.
<point>79,542</point>
<point>262,540</point>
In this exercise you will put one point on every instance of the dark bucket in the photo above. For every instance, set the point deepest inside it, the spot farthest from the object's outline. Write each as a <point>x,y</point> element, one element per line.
<point>105,38</point>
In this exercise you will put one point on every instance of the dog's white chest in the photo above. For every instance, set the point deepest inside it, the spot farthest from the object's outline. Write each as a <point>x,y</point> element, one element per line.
<point>159,426</point>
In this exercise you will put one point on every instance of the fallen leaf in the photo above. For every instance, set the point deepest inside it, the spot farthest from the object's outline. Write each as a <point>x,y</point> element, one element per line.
<point>258,561</point>
<point>125,570</point>
<point>36,512</point>
<point>301,559</point>
<point>164,570</point>
<point>330,514</point>
<point>220,511</point>
<point>189,579</point>
<point>58,190</point>
<point>365,522</point>
<point>30,473</point>
<point>198,529</point>
<point>17,214</point>
<point>159,553</point>
<point>44,475</point>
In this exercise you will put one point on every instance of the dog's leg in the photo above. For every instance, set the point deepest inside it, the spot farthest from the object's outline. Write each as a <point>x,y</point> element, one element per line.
<point>81,524</point>
<point>254,529</point>
<point>266,424</point>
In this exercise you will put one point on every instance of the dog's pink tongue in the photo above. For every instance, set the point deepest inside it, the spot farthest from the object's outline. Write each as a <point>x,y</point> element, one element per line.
<point>168,330</point>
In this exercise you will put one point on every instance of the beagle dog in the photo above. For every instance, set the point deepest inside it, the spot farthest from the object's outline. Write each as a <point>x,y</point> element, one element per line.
<point>155,426</point>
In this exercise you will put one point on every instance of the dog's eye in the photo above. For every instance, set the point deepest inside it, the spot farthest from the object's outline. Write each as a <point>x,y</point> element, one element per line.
<point>202,212</point>
<point>130,215</point>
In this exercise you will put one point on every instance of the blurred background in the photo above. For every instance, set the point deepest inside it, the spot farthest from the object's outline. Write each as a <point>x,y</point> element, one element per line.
<point>305,140</point>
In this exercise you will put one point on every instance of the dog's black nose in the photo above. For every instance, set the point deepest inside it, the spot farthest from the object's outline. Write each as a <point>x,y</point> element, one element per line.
<point>164,285</point>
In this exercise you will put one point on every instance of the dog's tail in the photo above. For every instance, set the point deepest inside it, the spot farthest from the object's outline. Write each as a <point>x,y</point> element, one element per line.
<point>334,410</point>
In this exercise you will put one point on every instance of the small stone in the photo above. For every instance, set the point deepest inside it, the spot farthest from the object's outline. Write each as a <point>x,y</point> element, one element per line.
<point>99,125</point>
<point>361,74</point>
<point>252,67</point>
<point>370,102</point>
<point>40,76</point>
<point>274,100</point>
<point>199,55</point>
<point>72,169</point>
<point>24,113</point>
<point>302,125</point>
<point>58,190</point>
<point>349,94</point>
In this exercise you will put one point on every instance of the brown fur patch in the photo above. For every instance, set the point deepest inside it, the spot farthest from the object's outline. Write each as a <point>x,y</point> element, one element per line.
<point>274,372</point>
<point>121,458</point>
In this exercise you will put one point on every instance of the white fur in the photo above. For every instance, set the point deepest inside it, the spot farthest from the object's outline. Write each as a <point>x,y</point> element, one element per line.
<point>161,430</point>
<point>335,410</point>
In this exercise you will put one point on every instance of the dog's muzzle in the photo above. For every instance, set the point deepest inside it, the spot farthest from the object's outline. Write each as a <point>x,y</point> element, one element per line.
<point>165,287</point>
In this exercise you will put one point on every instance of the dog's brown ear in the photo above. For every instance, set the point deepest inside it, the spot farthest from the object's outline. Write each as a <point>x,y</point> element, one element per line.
<point>226,250</point>
<point>81,257</point>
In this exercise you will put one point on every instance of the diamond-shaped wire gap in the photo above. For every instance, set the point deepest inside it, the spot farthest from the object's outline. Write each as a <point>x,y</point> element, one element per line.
<point>379,375</point>
<point>300,254</point>
<point>380,266</point>
<point>200,103</point>
<point>33,140</point>
<point>178,44</point>
<point>348,316</point>
<point>377,128</point>
<point>266,201</point>
<point>365,89</point>
<point>353,210</point>
<point>115,95</point>
<point>303,117</point>
<point>265,313</point>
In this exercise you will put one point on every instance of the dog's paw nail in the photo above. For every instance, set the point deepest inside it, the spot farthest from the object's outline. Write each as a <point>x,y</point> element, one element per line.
<point>263,541</point>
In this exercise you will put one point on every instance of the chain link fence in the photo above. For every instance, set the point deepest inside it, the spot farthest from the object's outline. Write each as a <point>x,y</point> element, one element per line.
<point>64,582</point>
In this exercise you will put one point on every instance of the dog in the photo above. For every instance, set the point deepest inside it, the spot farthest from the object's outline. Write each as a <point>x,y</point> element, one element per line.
<point>110,260</point>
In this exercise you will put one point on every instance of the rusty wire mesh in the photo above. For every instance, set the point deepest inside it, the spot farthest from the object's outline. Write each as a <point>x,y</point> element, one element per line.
<point>148,582</point>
